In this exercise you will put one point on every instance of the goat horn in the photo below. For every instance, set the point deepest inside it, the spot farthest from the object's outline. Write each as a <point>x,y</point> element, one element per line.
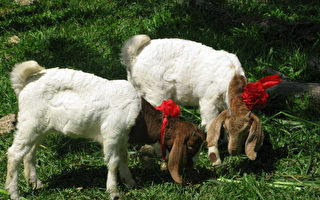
<point>248,114</point>
<point>229,111</point>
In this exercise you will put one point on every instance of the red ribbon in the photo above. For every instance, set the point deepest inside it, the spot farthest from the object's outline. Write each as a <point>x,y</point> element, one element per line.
<point>168,108</point>
<point>254,94</point>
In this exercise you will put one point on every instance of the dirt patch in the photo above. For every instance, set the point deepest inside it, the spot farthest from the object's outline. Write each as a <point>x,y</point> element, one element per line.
<point>23,2</point>
<point>14,40</point>
<point>7,123</point>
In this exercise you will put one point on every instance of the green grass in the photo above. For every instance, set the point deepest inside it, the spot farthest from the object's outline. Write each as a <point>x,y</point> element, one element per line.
<point>88,35</point>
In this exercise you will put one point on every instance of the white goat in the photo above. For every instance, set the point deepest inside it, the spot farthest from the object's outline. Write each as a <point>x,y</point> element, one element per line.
<point>76,104</point>
<point>187,72</point>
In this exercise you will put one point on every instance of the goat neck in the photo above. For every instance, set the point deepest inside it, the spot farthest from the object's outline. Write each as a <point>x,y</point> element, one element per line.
<point>148,125</point>
<point>236,104</point>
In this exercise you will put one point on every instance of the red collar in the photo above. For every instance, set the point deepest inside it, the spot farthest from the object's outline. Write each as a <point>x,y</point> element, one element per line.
<point>168,108</point>
<point>254,94</point>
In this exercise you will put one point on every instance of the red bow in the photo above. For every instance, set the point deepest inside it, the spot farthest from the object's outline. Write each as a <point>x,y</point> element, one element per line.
<point>167,108</point>
<point>255,95</point>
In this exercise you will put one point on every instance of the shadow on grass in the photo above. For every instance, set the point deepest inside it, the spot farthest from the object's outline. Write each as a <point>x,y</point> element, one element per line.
<point>87,176</point>
<point>64,145</point>
<point>266,159</point>
<point>84,176</point>
<point>95,176</point>
<point>90,176</point>
<point>265,162</point>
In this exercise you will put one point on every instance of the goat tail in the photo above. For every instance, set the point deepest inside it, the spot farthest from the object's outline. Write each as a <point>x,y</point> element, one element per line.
<point>21,72</point>
<point>130,49</point>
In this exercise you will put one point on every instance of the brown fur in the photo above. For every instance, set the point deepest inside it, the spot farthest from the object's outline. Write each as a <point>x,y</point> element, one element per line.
<point>239,127</point>
<point>182,139</point>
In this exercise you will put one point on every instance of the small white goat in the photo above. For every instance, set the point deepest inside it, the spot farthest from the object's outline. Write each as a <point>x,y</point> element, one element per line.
<point>185,71</point>
<point>76,104</point>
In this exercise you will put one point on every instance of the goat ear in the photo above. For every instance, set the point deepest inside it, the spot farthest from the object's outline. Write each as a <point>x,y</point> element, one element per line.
<point>255,138</point>
<point>213,133</point>
<point>176,159</point>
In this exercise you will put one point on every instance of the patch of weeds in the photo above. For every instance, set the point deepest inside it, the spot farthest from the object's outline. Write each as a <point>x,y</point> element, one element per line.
<point>89,35</point>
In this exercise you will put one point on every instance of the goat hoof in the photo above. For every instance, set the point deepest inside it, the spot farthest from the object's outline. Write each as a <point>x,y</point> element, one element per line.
<point>215,160</point>
<point>217,163</point>
<point>130,183</point>
<point>37,185</point>
<point>115,196</point>
<point>14,197</point>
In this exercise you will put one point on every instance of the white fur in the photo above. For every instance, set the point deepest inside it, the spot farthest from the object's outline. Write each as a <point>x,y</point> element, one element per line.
<point>76,104</point>
<point>188,72</point>
<point>215,150</point>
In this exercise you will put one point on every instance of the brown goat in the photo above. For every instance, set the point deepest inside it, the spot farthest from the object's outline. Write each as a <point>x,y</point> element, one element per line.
<point>182,139</point>
<point>240,125</point>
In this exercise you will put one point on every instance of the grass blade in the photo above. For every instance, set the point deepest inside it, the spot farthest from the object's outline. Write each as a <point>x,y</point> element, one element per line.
<point>190,112</point>
<point>278,184</point>
<point>293,117</point>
